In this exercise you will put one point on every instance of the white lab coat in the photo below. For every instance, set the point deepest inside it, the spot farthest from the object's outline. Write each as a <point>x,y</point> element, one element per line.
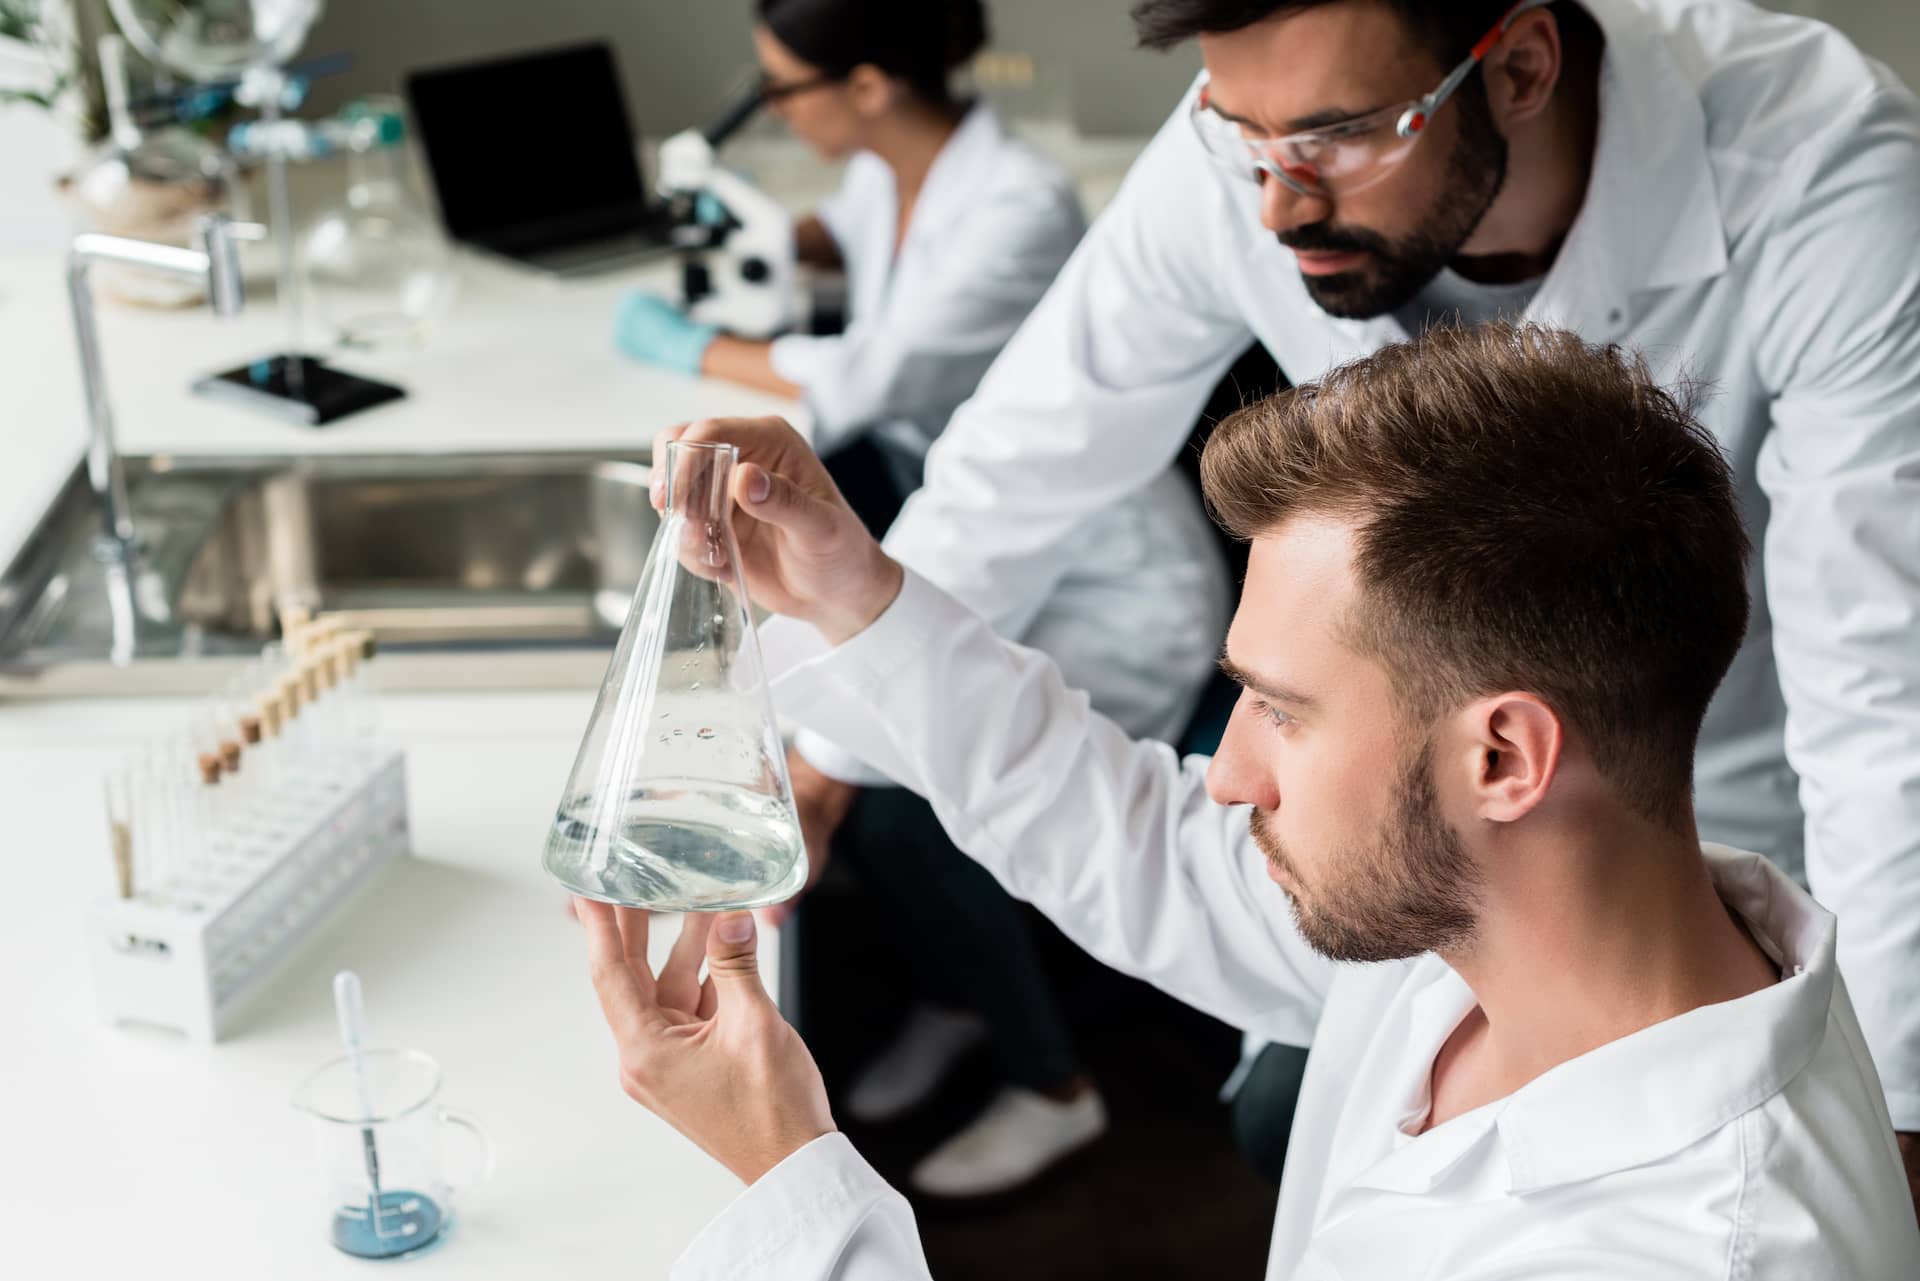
<point>1745,1140</point>
<point>1138,618</point>
<point>1752,219</point>
<point>994,223</point>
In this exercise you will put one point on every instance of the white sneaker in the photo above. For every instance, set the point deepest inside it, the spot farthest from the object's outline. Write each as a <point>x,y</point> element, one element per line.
<point>909,1070</point>
<point>1019,1135</point>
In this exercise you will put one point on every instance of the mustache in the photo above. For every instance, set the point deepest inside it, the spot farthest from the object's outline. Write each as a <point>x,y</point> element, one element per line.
<point>1264,839</point>
<point>1320,238</point>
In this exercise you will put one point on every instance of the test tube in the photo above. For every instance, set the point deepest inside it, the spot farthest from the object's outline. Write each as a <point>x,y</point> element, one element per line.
<point>366,680</point>
<point>121,794</point>
<point>166,836</point>
<point>270,753</point>
<point>353,693</point>
<point>294,620</point>
<point>191,769</point>
<point>294,725</point>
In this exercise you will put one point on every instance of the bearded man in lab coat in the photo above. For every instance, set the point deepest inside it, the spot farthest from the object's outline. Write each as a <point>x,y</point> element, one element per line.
<point>1736,193</point>
<point>1495,579</point>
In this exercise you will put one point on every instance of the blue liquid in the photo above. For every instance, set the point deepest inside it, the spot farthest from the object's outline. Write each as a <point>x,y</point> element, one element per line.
<point>408,1220</point>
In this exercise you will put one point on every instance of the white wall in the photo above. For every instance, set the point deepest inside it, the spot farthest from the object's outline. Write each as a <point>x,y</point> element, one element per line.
<point>679,57</point>
<point>1887,29</point>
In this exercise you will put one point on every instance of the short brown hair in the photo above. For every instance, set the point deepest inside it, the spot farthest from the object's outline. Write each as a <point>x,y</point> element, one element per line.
<point>1531,512</point>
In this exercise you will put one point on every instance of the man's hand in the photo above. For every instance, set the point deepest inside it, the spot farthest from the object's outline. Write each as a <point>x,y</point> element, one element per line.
<point>822,801</point>
<point>803,552</point>
<point>1910,1157</point>
<point>714,1060</point>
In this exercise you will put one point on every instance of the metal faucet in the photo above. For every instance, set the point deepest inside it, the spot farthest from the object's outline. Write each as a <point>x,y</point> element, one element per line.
<point>216,263</point>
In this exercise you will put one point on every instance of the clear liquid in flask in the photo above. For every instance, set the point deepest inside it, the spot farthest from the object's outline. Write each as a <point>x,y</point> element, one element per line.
<point>688,846</point>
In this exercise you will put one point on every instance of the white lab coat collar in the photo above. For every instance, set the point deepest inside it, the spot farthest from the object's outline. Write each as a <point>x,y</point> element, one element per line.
<point>1682,1079</point>
<point>1652,215</point>
<point>957,172</point>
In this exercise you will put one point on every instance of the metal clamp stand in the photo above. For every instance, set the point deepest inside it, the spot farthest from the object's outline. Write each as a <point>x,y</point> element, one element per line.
<point>288,384</point>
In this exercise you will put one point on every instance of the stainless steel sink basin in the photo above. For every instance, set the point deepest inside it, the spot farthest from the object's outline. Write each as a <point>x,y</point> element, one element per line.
<point>466,554</point>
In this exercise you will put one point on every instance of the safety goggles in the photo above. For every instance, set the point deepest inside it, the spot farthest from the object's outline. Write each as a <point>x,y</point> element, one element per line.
<point>772,91</point>
<point>1345,157</point>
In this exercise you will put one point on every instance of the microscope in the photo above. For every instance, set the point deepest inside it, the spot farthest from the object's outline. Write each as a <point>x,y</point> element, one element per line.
<point>736,261</point>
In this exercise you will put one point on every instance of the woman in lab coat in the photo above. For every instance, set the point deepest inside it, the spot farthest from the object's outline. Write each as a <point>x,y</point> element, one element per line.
<point>949,231</point>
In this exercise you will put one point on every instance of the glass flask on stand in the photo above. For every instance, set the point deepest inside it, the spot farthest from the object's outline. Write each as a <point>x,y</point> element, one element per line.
<point>377,270</point>
<point>679,799</point>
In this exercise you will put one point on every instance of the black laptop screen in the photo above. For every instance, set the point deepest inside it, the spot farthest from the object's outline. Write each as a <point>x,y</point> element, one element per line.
<point>526,140</point>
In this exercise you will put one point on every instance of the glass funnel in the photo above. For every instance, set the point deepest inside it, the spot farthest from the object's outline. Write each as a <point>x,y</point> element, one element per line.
<point>679,799</point>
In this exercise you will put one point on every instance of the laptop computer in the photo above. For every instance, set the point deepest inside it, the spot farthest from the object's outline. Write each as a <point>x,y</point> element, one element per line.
<point>533,158</point>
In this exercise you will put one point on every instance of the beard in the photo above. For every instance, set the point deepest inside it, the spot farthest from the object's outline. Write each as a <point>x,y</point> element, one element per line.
<point>1401,268</point>
<point>1413,892</point>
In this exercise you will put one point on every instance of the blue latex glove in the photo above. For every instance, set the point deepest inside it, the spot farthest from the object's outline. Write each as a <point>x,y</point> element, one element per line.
<point>650,328</point>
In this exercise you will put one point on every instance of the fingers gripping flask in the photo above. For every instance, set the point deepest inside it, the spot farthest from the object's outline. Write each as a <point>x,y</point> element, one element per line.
<point>679,799</point>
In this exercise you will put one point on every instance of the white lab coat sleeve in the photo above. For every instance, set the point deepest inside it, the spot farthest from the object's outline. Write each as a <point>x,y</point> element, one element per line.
<point>993,266</point>
<point>1114,839</point>
<point>1839,341</point>
<point>1091,399</point>
<point>801,358</point>
<point>822,1214</point>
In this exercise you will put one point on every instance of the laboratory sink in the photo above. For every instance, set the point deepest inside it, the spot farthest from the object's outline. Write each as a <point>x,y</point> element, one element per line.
<point>481,555</point>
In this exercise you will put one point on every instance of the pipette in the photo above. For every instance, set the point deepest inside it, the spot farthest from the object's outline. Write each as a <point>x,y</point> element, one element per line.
<point>349,1008</point>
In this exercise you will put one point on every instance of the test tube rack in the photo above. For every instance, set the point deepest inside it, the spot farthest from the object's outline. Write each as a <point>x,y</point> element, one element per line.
<point>191,956</point>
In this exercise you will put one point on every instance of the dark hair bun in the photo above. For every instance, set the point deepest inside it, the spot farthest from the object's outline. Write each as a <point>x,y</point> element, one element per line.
<point>919,41</point>
<point>966,31</point>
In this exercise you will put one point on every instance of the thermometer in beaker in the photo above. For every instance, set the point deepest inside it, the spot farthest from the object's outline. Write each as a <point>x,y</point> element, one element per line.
<point>350,1009</point>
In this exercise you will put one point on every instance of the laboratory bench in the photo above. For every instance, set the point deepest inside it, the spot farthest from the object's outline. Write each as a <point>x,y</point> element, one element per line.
<point>139,1153</point>
<point>136,1153</point>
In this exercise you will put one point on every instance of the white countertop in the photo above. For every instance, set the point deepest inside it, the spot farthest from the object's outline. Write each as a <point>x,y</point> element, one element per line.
<point>148,1156</point>
<point>521,362</point>
<point>140,1155</point>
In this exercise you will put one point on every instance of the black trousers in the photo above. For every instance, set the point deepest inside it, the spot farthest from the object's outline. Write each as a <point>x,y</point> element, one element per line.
<point>970,945</point>
<point>972,948</point>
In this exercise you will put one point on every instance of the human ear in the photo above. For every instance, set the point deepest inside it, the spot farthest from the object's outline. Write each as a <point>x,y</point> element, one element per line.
<point>1524,69</point>
<point>1517,740</point>
<point>870,90</point>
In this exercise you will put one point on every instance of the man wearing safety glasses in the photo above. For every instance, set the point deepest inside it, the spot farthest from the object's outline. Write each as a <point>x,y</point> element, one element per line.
<point>1733,192</point>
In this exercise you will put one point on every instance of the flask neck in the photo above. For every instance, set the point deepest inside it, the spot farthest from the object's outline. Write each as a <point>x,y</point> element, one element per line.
<point>700,483</point>
<point>375,176</point>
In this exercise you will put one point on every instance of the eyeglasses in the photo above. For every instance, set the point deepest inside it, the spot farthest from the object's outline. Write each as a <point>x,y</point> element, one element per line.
<point>772,91</point>
<point>1345,157</point>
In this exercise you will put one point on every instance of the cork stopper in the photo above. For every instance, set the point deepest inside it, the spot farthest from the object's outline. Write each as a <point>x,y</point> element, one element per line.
<point>295,620</point>
<point>250,729</point>
<point>310,682</point>
<point>230,755</point>
<point>292,696</point>
<point>209,763</point>
<point>273,714</point>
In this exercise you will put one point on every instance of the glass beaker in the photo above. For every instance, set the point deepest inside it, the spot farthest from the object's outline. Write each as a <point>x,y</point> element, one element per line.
<point>377,268</point>
<point>679,799</point>
<point>386,1194</point>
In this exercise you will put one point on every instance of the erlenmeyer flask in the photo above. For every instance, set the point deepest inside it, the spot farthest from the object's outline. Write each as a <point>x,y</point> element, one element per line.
<point>679,799</point>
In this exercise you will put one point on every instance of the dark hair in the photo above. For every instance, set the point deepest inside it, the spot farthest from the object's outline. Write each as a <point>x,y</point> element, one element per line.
<point>1531,513</point>
<point>1447,27</point>
<point>917,41</point>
